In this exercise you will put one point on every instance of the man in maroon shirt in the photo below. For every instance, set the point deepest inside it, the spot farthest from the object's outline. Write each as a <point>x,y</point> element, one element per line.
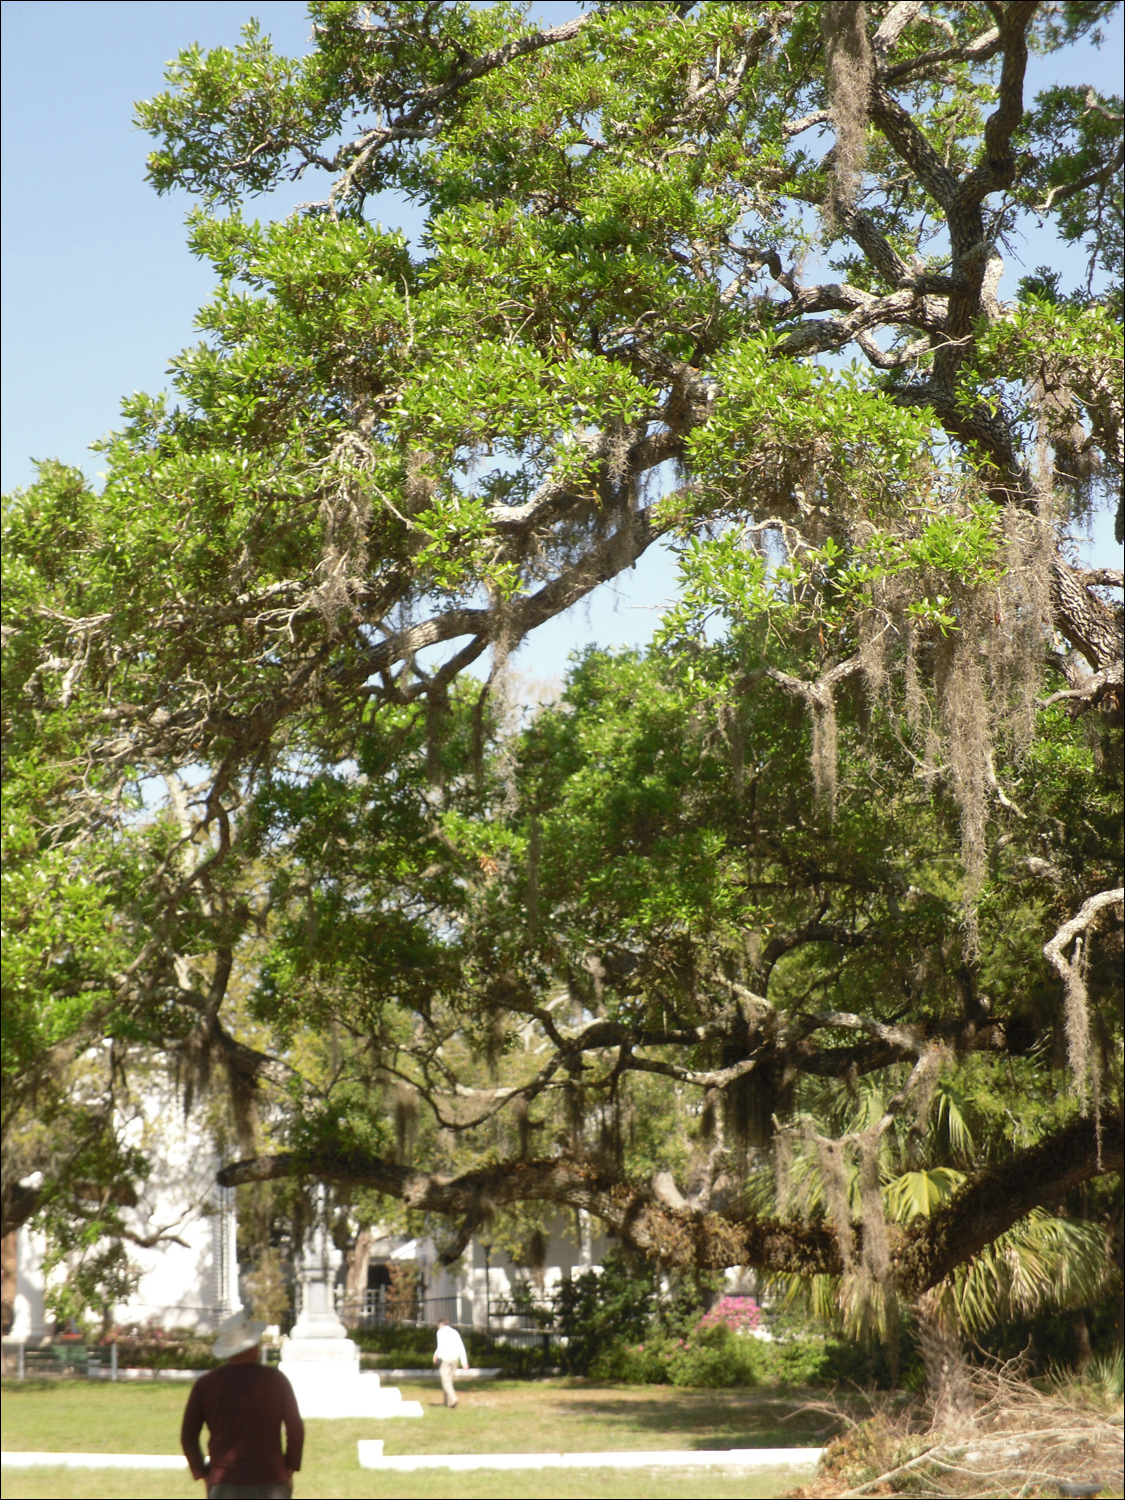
<point>244,1404</point>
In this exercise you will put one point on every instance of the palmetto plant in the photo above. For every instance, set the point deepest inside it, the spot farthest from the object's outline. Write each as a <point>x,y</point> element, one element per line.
<point>1043,1262</point>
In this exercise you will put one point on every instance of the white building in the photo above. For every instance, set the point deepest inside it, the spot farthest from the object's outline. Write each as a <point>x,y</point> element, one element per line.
<point>483,1283</point>
<point>188,1274</point>
<point>188,1270</point>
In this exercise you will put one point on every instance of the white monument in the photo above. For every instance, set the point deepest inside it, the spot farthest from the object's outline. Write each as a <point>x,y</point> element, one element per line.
<point>321,1362</point>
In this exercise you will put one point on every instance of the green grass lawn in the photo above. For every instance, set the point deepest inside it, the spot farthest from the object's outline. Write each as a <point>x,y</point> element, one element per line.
<point>506,1417</point>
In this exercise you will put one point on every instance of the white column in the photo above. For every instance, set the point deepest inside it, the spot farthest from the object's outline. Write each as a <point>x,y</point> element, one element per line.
<point>30,1325</point>
<point>318,1358</point>
<point>233,1294</point>
<point>585,1241</point>
<point>224,1229</point>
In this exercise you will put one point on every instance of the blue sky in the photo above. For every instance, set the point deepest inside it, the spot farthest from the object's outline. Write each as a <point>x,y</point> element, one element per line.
<point>99,291</point>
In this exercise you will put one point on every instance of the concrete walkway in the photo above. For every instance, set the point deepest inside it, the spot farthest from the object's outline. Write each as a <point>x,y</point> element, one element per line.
<point>371,1456</point>
<point>93,1461</point>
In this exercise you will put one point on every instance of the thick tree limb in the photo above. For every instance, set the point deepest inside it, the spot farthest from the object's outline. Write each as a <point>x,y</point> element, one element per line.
<point>980,49</point>
<point>17,1205</point>
<point>603,561</point>
<point>894,23</point>
<point>975,426</point>
<point>1086,621</point>
<point>992,1201</point>
<point>922,1254</point>
<point>1093,689</point>
<point>1054,951</point>
<point>911,144</point>
<point>998,169</point>
<point>904,309</point>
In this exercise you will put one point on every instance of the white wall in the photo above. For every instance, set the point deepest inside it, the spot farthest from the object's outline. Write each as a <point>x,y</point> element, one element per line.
<point>189,1276</point>
<point>572,1248</point>
<point>30,1324</point>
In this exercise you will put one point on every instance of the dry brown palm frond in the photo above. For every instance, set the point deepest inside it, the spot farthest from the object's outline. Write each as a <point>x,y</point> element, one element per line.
<point>1016,1438</point>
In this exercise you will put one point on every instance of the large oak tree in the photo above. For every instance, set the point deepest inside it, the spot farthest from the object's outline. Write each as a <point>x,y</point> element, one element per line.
<point>655,236</point>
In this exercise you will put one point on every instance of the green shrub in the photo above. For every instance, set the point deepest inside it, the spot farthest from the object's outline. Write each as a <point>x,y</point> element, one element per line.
<point>712,1357</point>
<point>413,1347</point>
<point>817,1361</point>
<point>517,1361</point>
<point>1106,1375</point>
<point>150,1347</point>
<point>715,1357</point>
<point>808,1361</point>
<point>644,1363</point>
<point>409,1346</point>
<point>597,1311</point>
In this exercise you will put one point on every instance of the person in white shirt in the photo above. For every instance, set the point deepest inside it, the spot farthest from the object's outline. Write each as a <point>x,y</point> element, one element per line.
<point>450,1349</point>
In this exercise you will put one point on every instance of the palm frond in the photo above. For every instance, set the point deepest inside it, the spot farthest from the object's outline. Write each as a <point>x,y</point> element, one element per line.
<point>949,1115</point>
<point>919,1193</point>
<point>1040,1263</point>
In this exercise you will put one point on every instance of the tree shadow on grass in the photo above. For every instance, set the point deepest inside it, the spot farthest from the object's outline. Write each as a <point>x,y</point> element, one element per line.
<point>706,1419</point>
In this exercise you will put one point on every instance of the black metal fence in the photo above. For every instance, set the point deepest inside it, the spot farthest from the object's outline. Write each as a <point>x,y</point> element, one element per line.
<point>370,1309</point>
<point>517,1323</point>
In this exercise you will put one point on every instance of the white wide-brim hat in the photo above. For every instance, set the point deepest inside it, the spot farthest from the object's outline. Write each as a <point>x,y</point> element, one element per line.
<point>236,1334</point>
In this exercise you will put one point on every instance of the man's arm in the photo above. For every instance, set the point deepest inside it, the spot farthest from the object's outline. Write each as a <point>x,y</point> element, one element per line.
<point>189,1434</point>
<point>294,1427</point>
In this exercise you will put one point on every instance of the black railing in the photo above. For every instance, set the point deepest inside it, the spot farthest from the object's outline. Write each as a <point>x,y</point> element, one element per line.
<point>518,1322</point>
<point>374,1309</point>
<point>523,1317</point>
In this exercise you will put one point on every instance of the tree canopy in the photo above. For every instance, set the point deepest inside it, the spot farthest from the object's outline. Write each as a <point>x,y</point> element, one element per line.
<point>767,946</point>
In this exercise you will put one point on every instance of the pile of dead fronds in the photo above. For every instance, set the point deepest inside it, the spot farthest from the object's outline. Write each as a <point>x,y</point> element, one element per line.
<point>1007,1436</point>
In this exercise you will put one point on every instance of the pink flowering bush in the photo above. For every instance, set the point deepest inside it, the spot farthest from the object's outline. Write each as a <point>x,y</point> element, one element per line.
<point>739,1314</point>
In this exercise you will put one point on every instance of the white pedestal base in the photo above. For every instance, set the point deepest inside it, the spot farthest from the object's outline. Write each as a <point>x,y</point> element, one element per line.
<point>319,1360</point>
<point>336,1388</point>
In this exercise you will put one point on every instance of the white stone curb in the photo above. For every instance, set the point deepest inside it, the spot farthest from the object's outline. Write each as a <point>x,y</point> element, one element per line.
<point>93,1461</point>
<point>371,1457</point>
